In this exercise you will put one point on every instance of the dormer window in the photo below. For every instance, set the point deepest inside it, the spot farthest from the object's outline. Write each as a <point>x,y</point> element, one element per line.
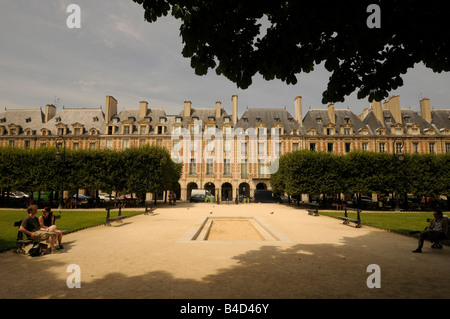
<point>277,119</point>
<point>127,129</point>
<point>178,119</point>
<point>95,119</point>
<point>226,119</point>
<point>28,120</point>
<point>162,119</point>
<point>3,120</point>
<point>245,120</point>
<point>211,118</point>
<point>58,119</point>
<point>148,118</point>
<point>347,120</point>
<point>319,120</point>
<point>131,119</point>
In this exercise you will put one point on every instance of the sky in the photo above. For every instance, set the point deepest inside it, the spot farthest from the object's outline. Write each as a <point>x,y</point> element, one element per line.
<point>116,52</point>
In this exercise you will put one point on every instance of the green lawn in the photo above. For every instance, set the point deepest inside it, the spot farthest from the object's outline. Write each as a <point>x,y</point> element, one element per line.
<point>398,222</point>
<point>71,220</point>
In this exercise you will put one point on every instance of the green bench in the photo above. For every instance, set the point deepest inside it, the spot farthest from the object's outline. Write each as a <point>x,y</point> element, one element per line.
<point>347,219</point>
<point>117,218</point>
<point>313,210</point>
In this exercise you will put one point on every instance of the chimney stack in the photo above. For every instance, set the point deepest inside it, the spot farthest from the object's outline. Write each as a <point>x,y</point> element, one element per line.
<point>394,106</point>
<point>378,111</point>
<point>50,112</point>
<point>298,110</point>
<point>110,108</point>
<point>331,113</point>
<point>234,114</point>
<point>187,108</point>
<point>143,109</point>
<point>425,109</point>
<point>218,109</point>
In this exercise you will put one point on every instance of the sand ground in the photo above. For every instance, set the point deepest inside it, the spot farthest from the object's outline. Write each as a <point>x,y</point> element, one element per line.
<point>148,256</point>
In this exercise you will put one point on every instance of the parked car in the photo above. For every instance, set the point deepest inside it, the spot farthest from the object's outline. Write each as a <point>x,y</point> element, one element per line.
<point>82,197</point>
<point>368,202</point>
<point>18,194</point>
<point>201,196</point>
<point>104,197</point>
<point>265,196</point>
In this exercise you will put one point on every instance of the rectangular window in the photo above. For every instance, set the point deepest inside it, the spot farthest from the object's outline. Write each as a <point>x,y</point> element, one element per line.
<point>347,147</point>
<point>192,168</point>
<point>142,129</point>
<point>382,147</point>
<point>125,144</point>
<point>416,148</point>
<point>244,169</point>
<point>92,146</point>
<point>294,147</point>
<point>209,167</point>
<point>261,169</point>
<point>330,147</point>
<point>226,167</point>
<point>243,149</point>
<point>365,146</point>
<point>447,148</point>
<point>312,146</point>
<point>109,143</point>
<point>347,131</point>
<point>431,147</point>
<point>261,149</point>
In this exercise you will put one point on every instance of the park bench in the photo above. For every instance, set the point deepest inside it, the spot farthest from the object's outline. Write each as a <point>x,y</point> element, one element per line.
<point>148,210</point>
<point>442,241</point>
<point>347,219</point>
<point>117,218</point>
<point>313,210</point>
<point>21,242</point>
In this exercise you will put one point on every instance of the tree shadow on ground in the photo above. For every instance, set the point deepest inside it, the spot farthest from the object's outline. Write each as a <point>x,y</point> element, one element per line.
<point>300,271</point>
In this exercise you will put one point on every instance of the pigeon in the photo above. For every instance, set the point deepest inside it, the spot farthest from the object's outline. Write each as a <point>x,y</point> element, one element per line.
<point>271,212</point>
<point>210,212</point>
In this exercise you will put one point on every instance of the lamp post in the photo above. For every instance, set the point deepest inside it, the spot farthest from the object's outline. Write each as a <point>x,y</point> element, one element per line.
<point>398,158</point>
<point>62,159</point>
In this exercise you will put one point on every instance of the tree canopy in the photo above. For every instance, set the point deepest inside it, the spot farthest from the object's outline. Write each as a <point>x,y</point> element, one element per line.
<point>283,39</point>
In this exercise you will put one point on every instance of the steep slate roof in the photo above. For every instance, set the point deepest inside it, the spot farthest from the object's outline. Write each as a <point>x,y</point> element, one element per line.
<point>268,117</point>
<point>441,119</point>
<point>311,120</point>
<point>25,118</point>
<point>415,118</point>
<point>89,118</point>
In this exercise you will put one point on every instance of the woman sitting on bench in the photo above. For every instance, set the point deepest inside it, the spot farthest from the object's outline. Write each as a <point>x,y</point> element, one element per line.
<point>47,222</point>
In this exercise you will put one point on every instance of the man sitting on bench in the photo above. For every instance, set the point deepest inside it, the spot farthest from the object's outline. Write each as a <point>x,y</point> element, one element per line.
<point>30,227</point>
<point>437,230</point>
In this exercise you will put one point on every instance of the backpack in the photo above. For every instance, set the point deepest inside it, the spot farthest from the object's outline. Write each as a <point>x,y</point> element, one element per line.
<point>37,250</point>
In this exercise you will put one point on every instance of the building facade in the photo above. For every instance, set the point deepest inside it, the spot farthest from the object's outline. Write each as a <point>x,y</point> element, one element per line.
<point>227,154</point>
